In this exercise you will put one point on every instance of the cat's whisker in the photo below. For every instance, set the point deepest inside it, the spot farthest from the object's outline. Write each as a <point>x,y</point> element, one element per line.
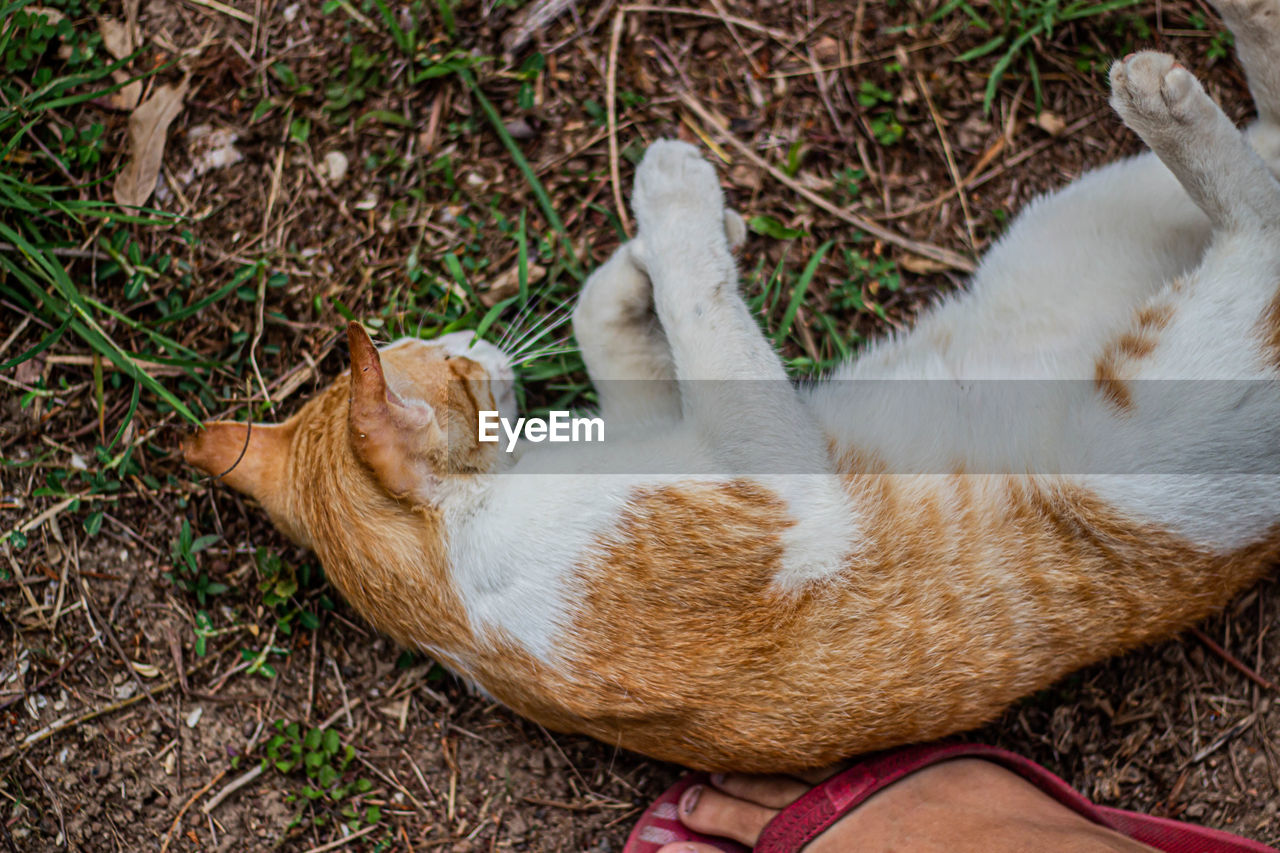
<point>556,321</point>
<point>554,313</point>
<point>515,323</point>
<point>560,315</point>
<point>538,356</point>
<point>555,348</point>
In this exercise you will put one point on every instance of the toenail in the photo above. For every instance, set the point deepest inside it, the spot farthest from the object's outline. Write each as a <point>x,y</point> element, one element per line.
<point>717,779</point>
<point>689,800</point>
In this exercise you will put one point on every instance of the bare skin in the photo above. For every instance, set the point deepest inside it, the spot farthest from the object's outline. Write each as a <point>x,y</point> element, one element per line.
<point>961,806</point>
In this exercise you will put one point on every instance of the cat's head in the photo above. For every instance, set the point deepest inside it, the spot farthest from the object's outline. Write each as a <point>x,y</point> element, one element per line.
<point>398,428</point>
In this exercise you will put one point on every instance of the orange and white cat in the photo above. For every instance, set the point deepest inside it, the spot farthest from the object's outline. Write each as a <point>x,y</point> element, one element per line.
<point>781,577</point>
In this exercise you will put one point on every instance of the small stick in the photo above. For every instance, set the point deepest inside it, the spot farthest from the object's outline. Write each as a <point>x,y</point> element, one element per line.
<point>343,842</point>
<point>393,782</point>
<point>342,687</point>
<point>951,162</point>
<point>952,259</point>
<point>173,827</point>
<point>1240,665</point>
<point>611,103</point>
<point>779,35</point>
<point>234,785</point>
<point>1217,743</point>
<point>229,11</point>
<point>421,779</point>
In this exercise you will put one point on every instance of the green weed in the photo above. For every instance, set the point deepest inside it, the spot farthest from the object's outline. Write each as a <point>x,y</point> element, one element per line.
<point>187,571</point>
<point>1015,25</point>
<point>317,765</point>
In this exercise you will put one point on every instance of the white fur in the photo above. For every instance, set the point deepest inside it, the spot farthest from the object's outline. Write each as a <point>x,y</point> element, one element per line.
<point>674,349</point>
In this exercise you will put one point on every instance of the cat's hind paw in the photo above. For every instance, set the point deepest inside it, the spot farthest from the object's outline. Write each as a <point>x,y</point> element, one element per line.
<point>676,188</point>
<point>1151,91</point>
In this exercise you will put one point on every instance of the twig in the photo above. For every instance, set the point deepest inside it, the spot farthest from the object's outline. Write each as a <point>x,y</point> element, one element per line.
<point>234,785</point>
<point>1217,743</point>
<point>611,103</point>
<point>68,722</point>
<point>229,11</point>
<point>951,162</point>
<point>21,327</point>
<point>343,842</point>
<point>177,820</point>
<point>393,782</point>
<point>342,687</point>
<point>1240,665</point>
<point>779,35</point>
<point>954,260</point>
<point>970,183</point>
<point>421,779</point>
<point>733,31</point>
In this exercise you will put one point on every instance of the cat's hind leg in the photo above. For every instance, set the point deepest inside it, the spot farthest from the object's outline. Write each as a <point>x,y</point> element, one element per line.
<point>1256,27</point>
<point>1166,105</point>
<point>1255,24</point>
<point>1204,446</point>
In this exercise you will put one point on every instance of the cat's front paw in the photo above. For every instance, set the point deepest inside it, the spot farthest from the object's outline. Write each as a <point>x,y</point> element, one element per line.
<point>676,190</point>
<point>1150,89</point>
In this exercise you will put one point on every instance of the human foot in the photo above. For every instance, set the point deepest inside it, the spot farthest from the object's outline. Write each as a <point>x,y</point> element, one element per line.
<point>956,806</point>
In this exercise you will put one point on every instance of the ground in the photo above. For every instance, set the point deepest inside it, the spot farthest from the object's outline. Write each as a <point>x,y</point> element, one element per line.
<point>175,675</point>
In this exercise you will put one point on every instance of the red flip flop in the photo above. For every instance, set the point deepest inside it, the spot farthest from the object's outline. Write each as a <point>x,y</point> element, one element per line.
<point>817,810</point>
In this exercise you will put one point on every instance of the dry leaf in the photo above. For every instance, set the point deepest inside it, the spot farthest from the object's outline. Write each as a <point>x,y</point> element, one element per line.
<point>116,37</point>
<point>1051,123</point>
<point>148,130</point>
<point>921,266</point>
<point>119,39</point>
<point>508,284</point>
<point>146,670</point>
<point>126,97</point>
<point>131,20</point>
<point>53,15</point>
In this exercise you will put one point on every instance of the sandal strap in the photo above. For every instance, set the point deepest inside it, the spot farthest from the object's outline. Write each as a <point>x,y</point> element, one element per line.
<point>816,811</point>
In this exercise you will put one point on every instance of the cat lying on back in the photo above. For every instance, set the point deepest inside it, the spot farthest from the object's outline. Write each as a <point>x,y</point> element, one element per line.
<point>820,603</point>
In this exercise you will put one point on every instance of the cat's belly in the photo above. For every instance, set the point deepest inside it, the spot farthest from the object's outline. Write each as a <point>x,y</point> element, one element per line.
<point>974,591</point>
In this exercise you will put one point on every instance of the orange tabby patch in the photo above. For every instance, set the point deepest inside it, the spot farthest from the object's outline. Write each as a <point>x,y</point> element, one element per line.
<point>684,649</point>
<point>1136,343</point>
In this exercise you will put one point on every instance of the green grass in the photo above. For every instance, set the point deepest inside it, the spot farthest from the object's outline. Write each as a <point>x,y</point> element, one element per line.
<point>1014,27</point>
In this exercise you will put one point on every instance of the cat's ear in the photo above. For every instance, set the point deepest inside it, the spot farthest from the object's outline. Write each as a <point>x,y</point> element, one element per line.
<point>400,440</point>
<point>250,458</point>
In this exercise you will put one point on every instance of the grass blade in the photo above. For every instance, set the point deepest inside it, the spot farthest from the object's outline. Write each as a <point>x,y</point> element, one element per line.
<point>801,288</point>
<point>539,191</point>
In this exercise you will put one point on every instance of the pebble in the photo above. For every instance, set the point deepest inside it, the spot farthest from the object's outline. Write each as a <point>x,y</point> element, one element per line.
<point>335,166</point>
